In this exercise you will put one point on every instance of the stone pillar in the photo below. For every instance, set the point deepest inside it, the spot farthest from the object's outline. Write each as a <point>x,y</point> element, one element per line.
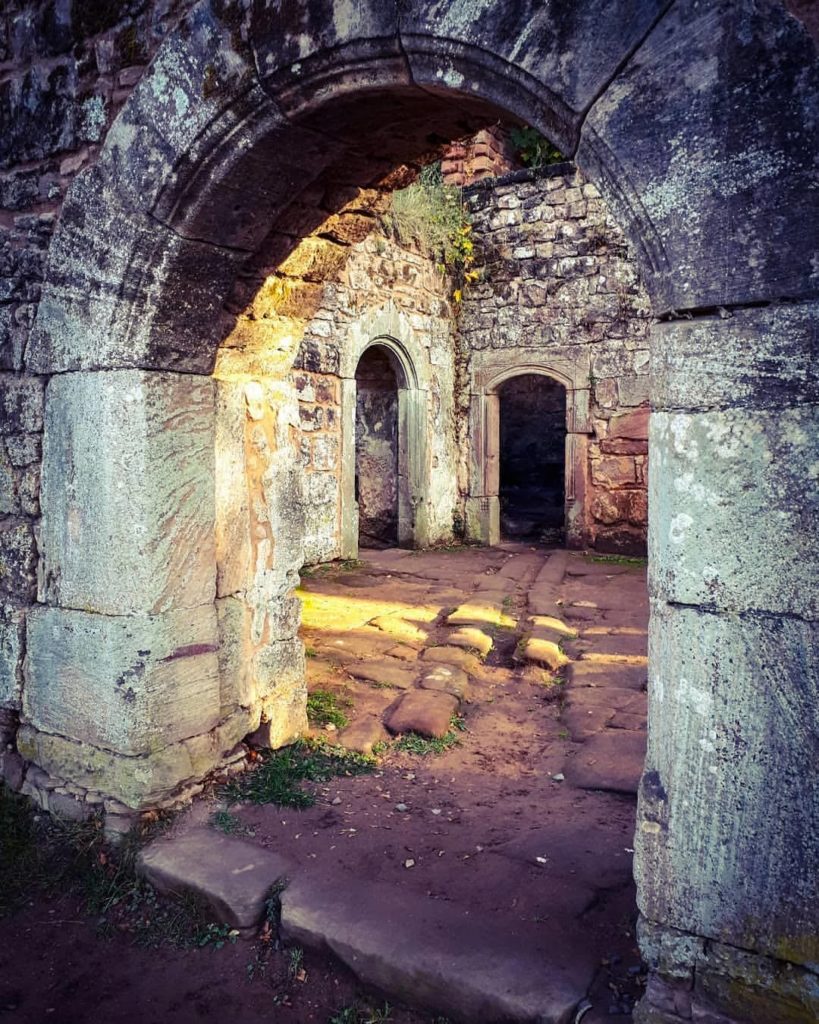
<point>483,504</point>
<point>349,505</point>
<point>414,483</point>
<point>727,841</point>
<point>121,689</point>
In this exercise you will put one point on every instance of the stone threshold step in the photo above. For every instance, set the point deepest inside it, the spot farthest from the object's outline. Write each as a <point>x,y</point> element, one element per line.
<point>436,955</point>
<point>425,952</point>
<point>232,876</point>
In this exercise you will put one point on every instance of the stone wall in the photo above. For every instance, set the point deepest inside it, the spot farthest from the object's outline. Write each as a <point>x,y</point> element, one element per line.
<point>382,291</point>
<point>560,294</point>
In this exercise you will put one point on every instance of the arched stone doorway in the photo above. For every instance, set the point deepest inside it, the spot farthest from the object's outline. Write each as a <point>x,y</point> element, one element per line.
<point>484,505</point>
<point>239,113</point>
<point>384,450</point>
<point>377,469</point>
<point>532,458</point>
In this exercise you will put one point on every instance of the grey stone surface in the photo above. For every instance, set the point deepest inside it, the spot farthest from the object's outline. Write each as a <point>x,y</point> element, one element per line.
<point>128,492</point>
<point>597,38</point>
<point>754,66</point>
<point>128,684</point>
<point>232,876</point>
<point>18,559</point>
<point>137,781</point>
<point>172,287</point>
<point>432,953</point>
<point>728,472</point>
<point>755,358</point>
<point>727,806</point>
<point>12,647</point>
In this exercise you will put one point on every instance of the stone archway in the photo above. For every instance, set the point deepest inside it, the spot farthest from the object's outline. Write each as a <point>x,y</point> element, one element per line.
<point>411,469</point>
<point>699,124</point>
<point>483,516</point>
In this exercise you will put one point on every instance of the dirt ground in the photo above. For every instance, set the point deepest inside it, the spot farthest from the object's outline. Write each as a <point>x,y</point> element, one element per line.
<point>504,823</point>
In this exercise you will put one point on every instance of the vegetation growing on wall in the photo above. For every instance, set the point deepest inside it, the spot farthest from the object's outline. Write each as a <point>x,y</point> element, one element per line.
<point>432,216</point>
<point>533,149</point>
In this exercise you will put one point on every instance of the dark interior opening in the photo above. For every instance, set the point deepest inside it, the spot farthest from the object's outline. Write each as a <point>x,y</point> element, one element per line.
<point>532,458</point>
<point>376,449</point>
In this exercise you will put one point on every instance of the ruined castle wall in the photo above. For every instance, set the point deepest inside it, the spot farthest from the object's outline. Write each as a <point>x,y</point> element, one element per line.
<point>560,291</point>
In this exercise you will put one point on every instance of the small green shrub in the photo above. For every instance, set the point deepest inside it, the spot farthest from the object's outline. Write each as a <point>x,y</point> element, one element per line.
<point>228,823</point>
<point>532,149</point>
<point>432,216</point>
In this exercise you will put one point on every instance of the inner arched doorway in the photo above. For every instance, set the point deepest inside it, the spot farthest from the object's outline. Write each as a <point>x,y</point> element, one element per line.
<point>377,449</point>
<point>384,448</point>
<point>532,456</point>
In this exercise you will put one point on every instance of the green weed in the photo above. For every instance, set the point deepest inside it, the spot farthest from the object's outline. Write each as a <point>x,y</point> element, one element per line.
<point>618,560</point>
<point>295,961</point>
<point>533,150</point>
<point>228,823</point>
<point>324,708</point>
<point>280,775</point>
<point>357,1015</point>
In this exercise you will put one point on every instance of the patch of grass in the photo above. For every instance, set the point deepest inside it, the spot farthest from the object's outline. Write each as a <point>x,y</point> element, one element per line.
<point>279,775</point>
<point>26,864</point>
<point>618,560</point>
<point>347,1015</point>
<point>41,856</point>
<point>310,652</point>
<point>325,708</point>
<point>412,743</point>
<point>362,1015</point>
<point>228,823</point>
<point>295,961</point>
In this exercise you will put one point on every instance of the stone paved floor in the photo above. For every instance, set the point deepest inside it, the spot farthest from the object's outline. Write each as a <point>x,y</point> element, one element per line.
<point>527,822</point>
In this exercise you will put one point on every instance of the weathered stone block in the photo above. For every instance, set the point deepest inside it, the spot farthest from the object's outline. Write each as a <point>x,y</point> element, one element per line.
<point>136,781</point>
<point>613,471</point>
<point>130,685</point>
<point>128,492</point>
<point>21,404</point>
<point>12,624</point>
<point>728,821</point>
<point>610,508</point>
<point>278,668</point>
<point>598,37</point>
<point>715,474</point>
<point>18,560</point>
<point>232,876</point>
<point>757,358</point>
<point>632,425</point>
<point>123,290</point>
<point>746,87</point>
<point>233,525</point>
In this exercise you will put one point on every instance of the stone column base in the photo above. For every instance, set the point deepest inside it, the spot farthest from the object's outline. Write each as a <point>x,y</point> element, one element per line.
<point>697,979</point>
<point>483,520</point>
